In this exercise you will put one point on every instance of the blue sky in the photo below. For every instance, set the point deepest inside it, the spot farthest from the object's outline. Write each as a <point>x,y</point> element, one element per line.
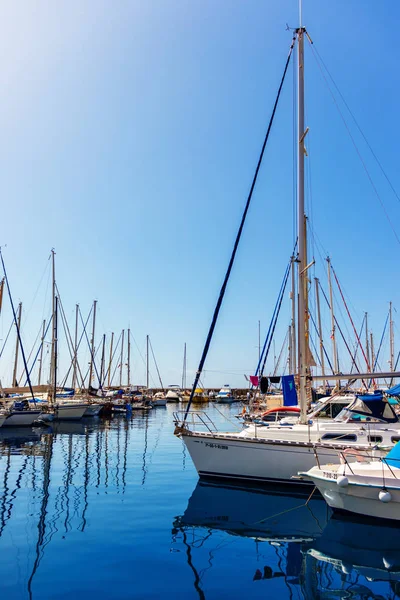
<point>130,134</point>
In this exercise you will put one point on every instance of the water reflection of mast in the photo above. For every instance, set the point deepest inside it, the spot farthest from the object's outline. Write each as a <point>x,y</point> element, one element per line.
<point>14,492</point>
<point>47,456</point>
<point>118,458</point>
<point>126,425</point>
<point>85,481</point>
<point>5,492</point>
<point>99,438</point>
<point>196,582</point>
<point>144,467</point>
<point>106,458</point>
<point>67,480</point>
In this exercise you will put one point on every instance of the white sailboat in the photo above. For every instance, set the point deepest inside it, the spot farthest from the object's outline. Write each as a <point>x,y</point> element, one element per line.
<point>61,408</point>
<point>278,452</point>
<point>18,413</point>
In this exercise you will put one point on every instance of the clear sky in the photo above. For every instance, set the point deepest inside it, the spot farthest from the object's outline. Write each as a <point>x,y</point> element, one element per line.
<point>130,134</point>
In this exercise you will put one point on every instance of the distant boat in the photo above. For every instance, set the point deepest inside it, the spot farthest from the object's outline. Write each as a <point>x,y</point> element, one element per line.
<point>159,399</point>
<point>19,414</point>
<point>174,393</point>
<point>225,396</point>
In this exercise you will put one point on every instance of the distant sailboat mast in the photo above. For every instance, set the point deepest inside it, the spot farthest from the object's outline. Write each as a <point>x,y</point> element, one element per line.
<point>92,343</point>
<point>110,360</point>
<point>184,368</point>
<point>129,357</point>
<point>75,346</point>
<point>53,328</point>
<point>41,352</point>
<point>147,362</point>
<point>14,379</point>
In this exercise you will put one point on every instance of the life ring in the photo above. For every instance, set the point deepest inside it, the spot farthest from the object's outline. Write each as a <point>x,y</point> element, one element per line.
<point>353,452</point>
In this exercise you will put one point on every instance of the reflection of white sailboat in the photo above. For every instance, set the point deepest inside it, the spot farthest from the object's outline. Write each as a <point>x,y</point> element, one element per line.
<point>253,512</point>
<point>279,525</point>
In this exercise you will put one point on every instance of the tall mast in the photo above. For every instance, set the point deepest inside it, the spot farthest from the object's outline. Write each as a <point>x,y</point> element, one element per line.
<point>102,362</point>
<point>259,340</point>
<point>293,324</point>
<point>75,346</point>
<point>372,353</point>
<point>14,379</point>
<point>55,348</point>
<point>367,344</point>
<point>333,327</point>
<point>122,358</point>
<point>53,327</point>
<point>110,361</point>
<point>147,361</point>
<point>92,343</point>
<point>321,341</point>
<point>129,357</point>
<point>303,367</point>
<point>391,338</point>
<point>41,353</point>
<point>290,354</point>
<point>184,367</point>
<point>1,292</point>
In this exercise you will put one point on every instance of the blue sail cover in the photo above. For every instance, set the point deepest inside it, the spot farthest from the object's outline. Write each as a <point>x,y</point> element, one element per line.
<point>370,397</point>
<point>393,458</point>
<point>394,391</point>
<point>289,391</point>
<point>373,406</point>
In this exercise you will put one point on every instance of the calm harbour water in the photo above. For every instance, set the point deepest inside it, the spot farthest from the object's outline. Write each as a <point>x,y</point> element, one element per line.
<point>113,509</point>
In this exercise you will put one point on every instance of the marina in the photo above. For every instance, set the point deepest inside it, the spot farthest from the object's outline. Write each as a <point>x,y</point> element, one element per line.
<point>99,492</point>
<point>199,316</point>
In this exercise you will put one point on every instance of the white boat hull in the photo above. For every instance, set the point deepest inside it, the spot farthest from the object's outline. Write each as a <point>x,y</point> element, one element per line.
<point>233,457</point>
<point>159,402</point>
<point>93,410</point>
<point>69,412</point>
<point>22,418</point>
<point>225,399</point>
<point>361,500</point>
<point>371,489</point>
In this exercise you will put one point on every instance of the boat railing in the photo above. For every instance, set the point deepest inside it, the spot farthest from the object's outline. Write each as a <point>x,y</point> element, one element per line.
<point>198,420</point>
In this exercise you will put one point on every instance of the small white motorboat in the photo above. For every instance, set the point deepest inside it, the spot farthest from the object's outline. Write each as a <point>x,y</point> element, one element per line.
<point>364,487</point>
<point>174,394</point>
<point>225,396</point>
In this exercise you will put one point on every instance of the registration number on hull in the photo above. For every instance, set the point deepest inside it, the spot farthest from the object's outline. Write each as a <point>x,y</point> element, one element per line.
<point>330,475</point>
<point>217,446</point>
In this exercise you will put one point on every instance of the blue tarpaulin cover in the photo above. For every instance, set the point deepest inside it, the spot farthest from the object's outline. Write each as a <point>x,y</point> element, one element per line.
<point>394,391</point>
<point>370,397</point>
<point>289,391</point>
<point>373,406</point>
<point>393,458</point>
